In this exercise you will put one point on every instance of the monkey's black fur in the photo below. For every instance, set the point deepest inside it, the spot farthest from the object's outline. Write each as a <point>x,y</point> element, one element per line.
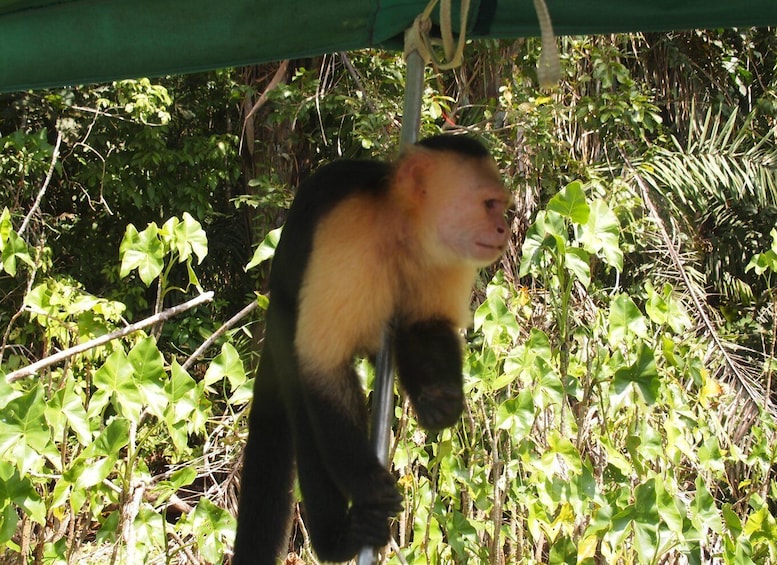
<point>348,496</point>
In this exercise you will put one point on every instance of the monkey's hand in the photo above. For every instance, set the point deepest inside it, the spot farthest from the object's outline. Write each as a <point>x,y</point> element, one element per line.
<point>372,509</point>
<point>438,405</point>
<point>429,364</point>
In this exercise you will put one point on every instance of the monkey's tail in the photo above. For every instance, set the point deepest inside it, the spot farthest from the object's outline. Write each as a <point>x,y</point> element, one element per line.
<point>266,500</point>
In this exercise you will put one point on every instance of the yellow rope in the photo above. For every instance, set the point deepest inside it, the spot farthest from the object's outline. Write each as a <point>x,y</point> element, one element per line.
<point>417,37</point>
<point>549,65</point>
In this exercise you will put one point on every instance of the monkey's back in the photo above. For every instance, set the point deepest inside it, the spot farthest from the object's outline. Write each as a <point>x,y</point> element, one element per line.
<point>316,196</point>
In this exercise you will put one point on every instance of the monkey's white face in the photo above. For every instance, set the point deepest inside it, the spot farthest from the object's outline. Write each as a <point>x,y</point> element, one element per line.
<point>468,203</point>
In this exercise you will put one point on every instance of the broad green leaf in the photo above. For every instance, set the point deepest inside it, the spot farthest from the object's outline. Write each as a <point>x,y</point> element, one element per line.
<point>517,415</point>
<point>495,319</point>
<point>733,523</point>
<point>115,380</point>
<point>149,374</point>
<point>142,251</point>
<point>12,247</point>
<point>766,261</point>
<point>670,508</point>
<point>110,441</point>
<point>22,492</point>
<point>67,406</point>
<point>6,226</point>
<point>266,249</point>
<point>23,425</point>
<point>242,394</point>
<point>15,249</point>
<point>600,235</point>
<point>625,320</point>
<point>761,526</point>
<point>94,472</point>
<point>522,359</point>
<point>563,552</point>
<point>643,373</point>
<point>226,364</point>
<point>545,233</point>
<point>571,203</point>
<point>190,238</point>
<point>703,511</point>
<point>564,449</point>
<point>666,309</point>
<point>213,527</point>
<point>181,391</point>
<point>577,260</point>
<point>9,519</point>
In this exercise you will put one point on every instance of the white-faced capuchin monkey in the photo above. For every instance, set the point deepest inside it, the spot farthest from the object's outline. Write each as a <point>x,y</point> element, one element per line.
<point>367,247</point>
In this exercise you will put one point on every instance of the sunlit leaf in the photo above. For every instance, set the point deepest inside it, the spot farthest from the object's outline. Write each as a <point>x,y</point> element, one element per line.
<point>571,203</point>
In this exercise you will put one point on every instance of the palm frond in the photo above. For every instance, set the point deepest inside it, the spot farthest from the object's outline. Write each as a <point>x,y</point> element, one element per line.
<point>712,199</point>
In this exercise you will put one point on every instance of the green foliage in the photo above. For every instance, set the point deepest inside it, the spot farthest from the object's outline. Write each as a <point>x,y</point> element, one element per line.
<point>590,436</point>
<point>146,251</point>
<point>12,247</point>
<point>599,421</point>
<point>77,445</point>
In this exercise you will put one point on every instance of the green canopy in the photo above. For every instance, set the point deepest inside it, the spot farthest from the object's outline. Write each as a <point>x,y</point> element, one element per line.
<point>49,43</point>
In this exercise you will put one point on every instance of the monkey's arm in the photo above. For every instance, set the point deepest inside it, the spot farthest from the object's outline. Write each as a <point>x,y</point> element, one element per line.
<point>429,365</point>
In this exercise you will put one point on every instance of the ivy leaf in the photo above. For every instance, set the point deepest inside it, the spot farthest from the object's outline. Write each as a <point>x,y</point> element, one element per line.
<point>115,382</point>
<point>517,415</point>
<point>22,423</point>
<point>547,232</point>
<point>571,203</point>
<point>226,364</point>
<point>68,404</point>
<point>22,492</point>
<point>12,250</point>
<point>181,390</point>
<point>111,440</point>
<point>642,373</point>
<point>576,261</point>
<point>213,527</point>
<point>189,237</point>
<point>142,251</point>
<point>12,247</point>
<point>266,249</point>
<point>149,373</point>
<point>625,319</point>
<point>600,235</point>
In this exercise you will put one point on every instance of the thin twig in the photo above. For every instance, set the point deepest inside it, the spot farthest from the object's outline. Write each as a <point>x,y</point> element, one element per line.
<point>219,332</point>
<point>102,340</point>
<point>42,190</point>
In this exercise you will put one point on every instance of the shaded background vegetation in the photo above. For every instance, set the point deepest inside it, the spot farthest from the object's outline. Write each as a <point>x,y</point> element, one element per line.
<point>620,369</point>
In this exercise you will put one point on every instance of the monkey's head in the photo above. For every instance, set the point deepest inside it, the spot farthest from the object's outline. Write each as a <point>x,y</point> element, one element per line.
<point>457,202</point>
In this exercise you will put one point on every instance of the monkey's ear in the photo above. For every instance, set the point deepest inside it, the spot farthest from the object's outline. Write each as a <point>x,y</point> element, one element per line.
<point>413,172</point>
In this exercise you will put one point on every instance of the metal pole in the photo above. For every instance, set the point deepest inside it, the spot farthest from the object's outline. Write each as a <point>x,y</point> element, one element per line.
<point>383,399</point>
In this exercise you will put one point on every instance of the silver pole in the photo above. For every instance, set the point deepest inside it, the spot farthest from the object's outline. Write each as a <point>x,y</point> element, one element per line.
<point>383,399</point>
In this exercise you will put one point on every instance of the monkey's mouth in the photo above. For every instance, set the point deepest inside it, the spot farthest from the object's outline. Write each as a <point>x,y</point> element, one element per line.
<point>499,248</point>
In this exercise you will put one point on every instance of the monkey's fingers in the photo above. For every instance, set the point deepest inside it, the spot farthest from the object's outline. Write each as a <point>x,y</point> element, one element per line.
<point>438,406</point>
<point>370,525</point>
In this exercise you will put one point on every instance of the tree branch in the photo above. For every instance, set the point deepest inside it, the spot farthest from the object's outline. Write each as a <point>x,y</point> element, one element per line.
<point>219,332</point>
<point>103,339</point>
<point>42,191</point>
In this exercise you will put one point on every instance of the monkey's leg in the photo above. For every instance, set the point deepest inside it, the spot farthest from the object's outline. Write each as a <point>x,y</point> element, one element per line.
<point>429,365</point>
<point>336,532</point>
<point>266,500</point>
<point>336,464</point>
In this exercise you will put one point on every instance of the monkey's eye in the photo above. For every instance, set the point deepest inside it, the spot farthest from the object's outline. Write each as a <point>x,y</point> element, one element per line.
<point>492,203</point>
